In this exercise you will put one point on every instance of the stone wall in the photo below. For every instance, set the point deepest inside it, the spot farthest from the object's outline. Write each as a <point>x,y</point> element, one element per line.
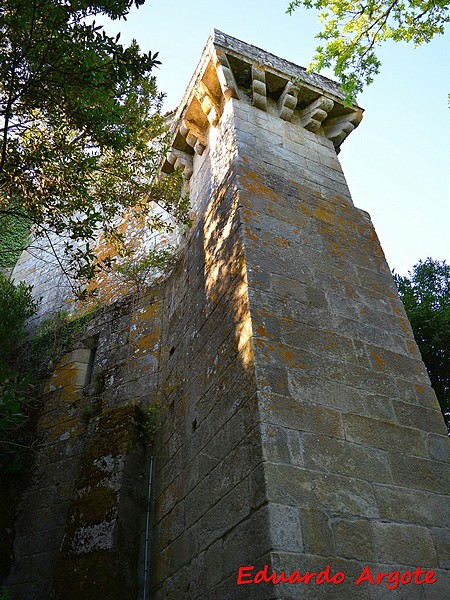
<point>78,525</point>
<point>210,444</point>
<point>45,267</point>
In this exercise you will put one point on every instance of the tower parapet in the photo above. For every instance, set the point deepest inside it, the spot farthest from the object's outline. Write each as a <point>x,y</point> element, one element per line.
<point>230,68</point>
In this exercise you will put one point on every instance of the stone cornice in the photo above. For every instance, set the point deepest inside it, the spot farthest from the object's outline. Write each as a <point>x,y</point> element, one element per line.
<point>230,68</point>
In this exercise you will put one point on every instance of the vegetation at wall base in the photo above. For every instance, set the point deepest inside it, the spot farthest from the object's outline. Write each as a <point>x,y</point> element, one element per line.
<point>425,294</point>
<point>4,593</point>
<point>17,401</point>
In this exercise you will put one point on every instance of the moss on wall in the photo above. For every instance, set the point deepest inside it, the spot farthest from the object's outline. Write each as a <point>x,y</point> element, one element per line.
<point>105,566</point>
<point>96,575</point>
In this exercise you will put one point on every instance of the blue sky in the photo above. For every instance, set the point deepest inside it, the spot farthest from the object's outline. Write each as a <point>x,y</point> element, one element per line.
<point>397,162</point>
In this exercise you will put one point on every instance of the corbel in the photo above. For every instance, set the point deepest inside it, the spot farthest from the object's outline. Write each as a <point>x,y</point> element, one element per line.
<point>208,102</point>
<point>194,136</point>
<point>313,115</point>
<point>288,101</point>
<point>178,158</point>
<point>225,75</point>
<point>259,88</point>
<point>338,128</point>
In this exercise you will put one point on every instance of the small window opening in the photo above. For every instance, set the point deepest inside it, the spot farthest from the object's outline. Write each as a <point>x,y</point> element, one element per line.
<point>90,367</point>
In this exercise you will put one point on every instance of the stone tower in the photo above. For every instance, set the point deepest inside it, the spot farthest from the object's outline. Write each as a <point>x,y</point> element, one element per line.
<point>299,429</point>
<point>303,429</point>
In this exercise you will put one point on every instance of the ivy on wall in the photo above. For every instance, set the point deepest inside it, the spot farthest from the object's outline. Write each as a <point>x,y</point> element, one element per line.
<point>14,236</point>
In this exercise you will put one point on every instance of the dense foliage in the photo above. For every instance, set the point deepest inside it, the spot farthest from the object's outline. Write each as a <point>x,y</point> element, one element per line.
<point>426,297</point>
<point>16,393</point>
<point>81,134</point>
<point>352,32</point>
<point>16,306</point>
<point>25,362</point>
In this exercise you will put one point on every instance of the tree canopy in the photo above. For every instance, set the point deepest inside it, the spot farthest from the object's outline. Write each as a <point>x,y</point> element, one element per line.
<point>81,134</point>
<point>426,297</point>
<point>352,32</point>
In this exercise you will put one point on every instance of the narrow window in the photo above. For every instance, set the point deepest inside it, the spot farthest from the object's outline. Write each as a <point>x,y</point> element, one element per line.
<point>90,367</point>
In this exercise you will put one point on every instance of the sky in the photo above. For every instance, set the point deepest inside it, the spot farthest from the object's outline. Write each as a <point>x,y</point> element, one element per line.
<point>397,163</point>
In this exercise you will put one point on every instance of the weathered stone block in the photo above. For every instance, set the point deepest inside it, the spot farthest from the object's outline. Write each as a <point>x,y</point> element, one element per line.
<point>424,419</point>
<point>345,458</point>
<point>440,588</point>
<point>354,539</point>
<point>439,447</point>
<point>407,544</point>
<point>291,412</point>
<point>404,504</point>
<point>281,445</point>
<point>419,473</point>
<point>316,530</point>
<point>290,562</point>
<point>441,541</point>
<point>384,435</point>
<point>255,533</point>
<point>285,528</point>
<point>214,563</point>
<point>233,508</point>
<point>342,496</point>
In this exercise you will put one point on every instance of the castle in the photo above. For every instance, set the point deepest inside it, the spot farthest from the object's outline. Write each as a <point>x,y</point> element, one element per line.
<point>297,429</point>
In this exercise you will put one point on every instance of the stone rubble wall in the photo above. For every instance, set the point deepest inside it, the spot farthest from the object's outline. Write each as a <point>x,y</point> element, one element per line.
<point>78,528</point>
